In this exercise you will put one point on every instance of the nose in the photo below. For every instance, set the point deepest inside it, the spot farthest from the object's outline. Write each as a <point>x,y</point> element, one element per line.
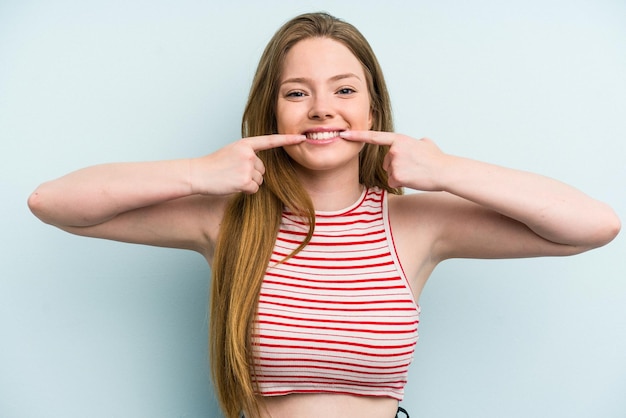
<point>321,108</point>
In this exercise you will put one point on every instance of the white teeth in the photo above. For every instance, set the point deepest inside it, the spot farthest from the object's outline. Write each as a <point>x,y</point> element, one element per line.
<point>317,136</point>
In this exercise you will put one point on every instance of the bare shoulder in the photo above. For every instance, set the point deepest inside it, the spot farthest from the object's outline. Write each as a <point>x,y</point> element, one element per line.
<point>441,225</point>
<point>409,200</point>
<point>422,209</point>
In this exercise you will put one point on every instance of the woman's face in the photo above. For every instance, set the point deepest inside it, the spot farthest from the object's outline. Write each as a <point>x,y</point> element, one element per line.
<point>323,90</point>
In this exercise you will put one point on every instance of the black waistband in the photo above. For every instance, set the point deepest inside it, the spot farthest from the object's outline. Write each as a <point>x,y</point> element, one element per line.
<point>400,409</point>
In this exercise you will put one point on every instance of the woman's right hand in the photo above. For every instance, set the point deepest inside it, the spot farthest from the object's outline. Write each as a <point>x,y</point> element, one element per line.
<point>235,167</point>
<point>173,203</point>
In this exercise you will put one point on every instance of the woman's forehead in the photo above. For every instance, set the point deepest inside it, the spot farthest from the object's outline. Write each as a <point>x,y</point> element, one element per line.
<point>320,58</point>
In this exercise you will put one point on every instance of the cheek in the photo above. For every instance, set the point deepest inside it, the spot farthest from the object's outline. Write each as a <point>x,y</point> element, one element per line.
<point>279,117</point>
<point>364,116</point>
<point>286,119</point>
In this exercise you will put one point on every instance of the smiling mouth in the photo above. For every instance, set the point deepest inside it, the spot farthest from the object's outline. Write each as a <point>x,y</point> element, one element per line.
<point>320,136</point>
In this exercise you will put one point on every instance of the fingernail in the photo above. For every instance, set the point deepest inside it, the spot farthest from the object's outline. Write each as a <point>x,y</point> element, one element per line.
<point>345,134</point>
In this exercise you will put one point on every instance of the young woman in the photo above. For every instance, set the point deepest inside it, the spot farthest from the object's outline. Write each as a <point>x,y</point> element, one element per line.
<point>318,259</point>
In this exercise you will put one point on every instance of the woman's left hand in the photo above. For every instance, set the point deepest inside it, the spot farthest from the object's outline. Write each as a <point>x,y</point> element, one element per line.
<point>416,164</point>
<point>558,218</point>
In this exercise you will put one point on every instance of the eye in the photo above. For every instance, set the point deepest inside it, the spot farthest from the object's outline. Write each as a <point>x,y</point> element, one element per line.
<point>295,94</point>
<point>346,91</point>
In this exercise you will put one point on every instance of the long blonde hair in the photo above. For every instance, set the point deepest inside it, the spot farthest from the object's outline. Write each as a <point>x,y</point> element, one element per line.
<point>251,221</point>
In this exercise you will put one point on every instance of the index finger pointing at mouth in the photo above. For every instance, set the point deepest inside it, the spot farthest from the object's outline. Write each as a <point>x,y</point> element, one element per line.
<point>263,142</point>
<point>371,137</point>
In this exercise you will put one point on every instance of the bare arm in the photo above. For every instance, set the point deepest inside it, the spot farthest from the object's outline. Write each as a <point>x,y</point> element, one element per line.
<point>175,203</point>
<point>487,211</point>
<point>97,194</point>
<point>554,211</point>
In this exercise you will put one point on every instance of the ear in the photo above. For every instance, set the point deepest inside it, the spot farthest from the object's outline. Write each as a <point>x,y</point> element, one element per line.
<point>370,119</point>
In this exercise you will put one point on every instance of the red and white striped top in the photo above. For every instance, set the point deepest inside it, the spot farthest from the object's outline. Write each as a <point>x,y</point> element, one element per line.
<point>339,317</point>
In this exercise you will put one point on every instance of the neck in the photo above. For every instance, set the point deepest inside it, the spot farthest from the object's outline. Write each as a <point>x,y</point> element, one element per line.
<point>336,197</point>
<point>332,191</point>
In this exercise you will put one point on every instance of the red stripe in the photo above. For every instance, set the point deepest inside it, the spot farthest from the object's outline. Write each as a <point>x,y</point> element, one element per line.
<point>337,369</point>
<point>342,259</point>
<point>343,223</point>
<point>334,236</point>
<point>341,343</point>
<point>409,331</point>
<point>330,244</point>
<point>302,361</point>
<point>340,302</point>
<point>362,212</point>
<point>334,321</point>
<point>331,267</point>
<point>306,279</point>
<point>337,350</point>
<point>321,308</point>
<point>346,289</point>
<point>314,379</point>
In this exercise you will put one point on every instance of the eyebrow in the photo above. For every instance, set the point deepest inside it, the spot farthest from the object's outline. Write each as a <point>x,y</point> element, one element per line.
<point>333,78</point>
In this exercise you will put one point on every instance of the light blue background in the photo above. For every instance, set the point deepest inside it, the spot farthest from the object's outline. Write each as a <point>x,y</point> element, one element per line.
<point>90,328</point>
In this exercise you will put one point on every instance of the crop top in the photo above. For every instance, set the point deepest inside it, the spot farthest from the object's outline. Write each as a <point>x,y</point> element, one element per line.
<point>339,316</point>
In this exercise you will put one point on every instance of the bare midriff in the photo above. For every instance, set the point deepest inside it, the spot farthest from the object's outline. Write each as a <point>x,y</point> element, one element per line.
<point>328,405</point>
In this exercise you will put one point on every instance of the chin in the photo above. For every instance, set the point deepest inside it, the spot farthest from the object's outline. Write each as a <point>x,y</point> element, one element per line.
<point>325,156</point>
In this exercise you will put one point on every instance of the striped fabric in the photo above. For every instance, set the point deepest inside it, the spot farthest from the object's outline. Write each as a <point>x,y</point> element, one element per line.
<point>339,317</point>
